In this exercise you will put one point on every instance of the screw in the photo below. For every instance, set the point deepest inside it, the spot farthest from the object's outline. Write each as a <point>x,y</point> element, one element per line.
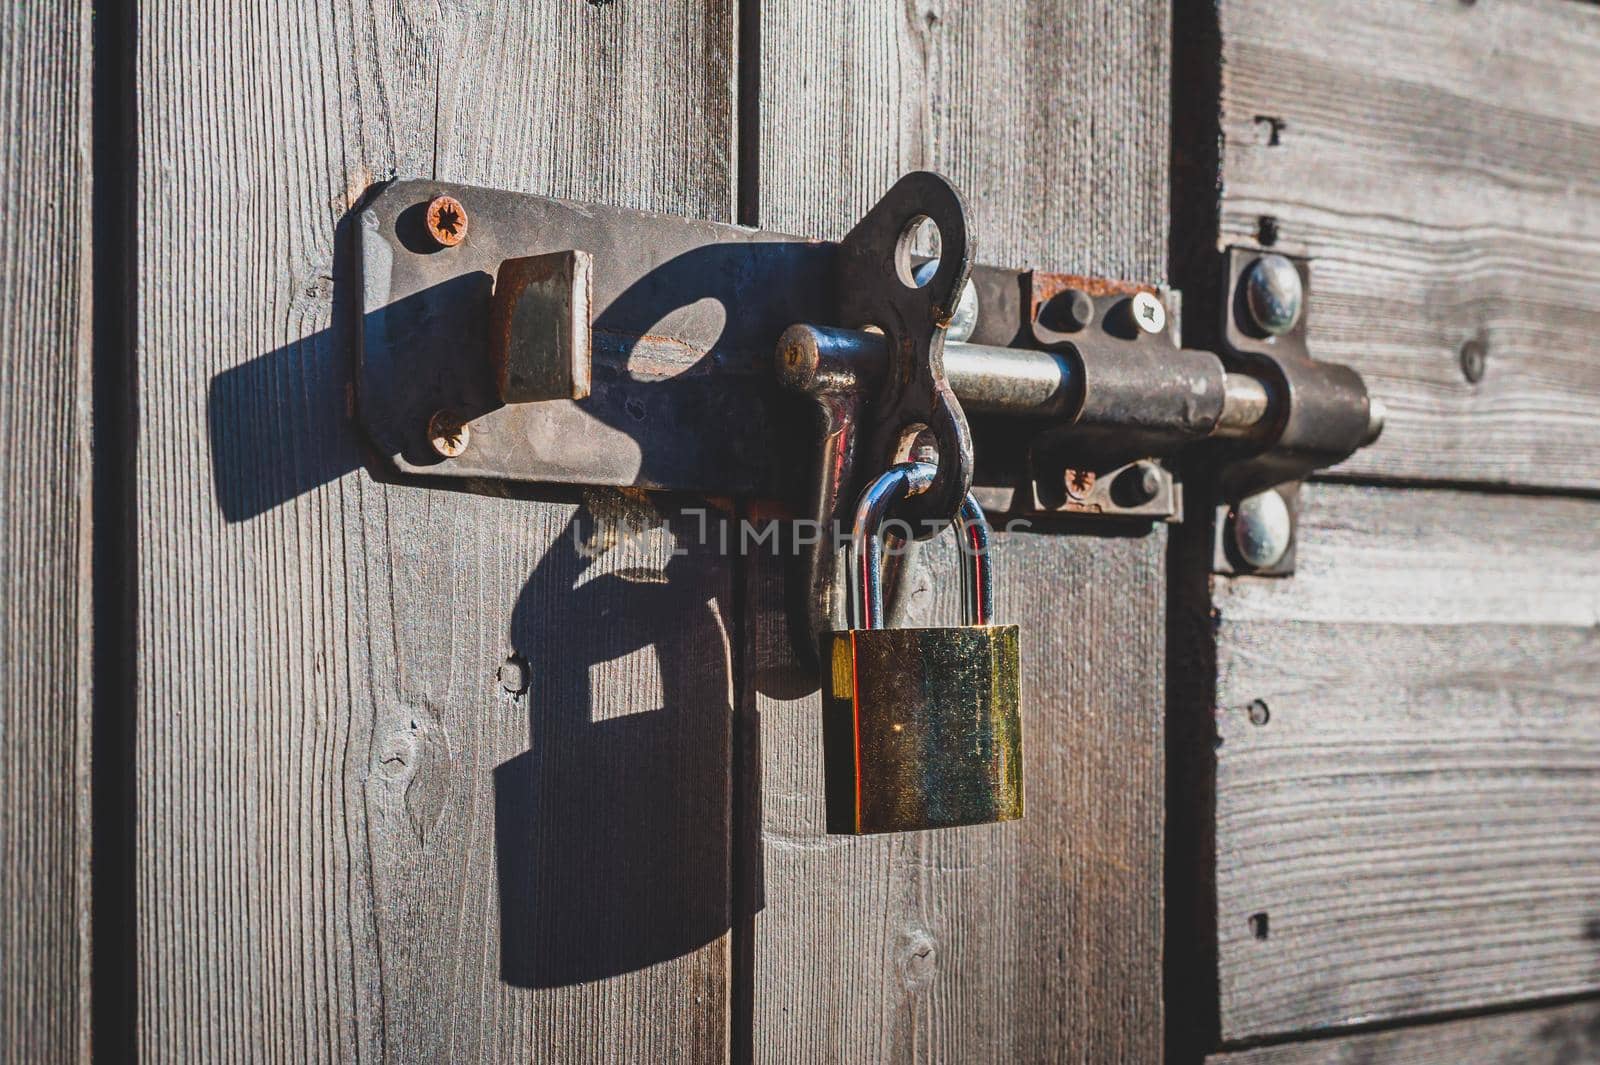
<point>447,434</point>
<point>447,220</point>
<point>1078,483</point>
<point>1474,359</point>
<point>514,675</point>
<point>1148,312</point>
<point>1262,529</point>
<point>1273,292</point>
<point>1136,485</point>
<point>1259,714</point>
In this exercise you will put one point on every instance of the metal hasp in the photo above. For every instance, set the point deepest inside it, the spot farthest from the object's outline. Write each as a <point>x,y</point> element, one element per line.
<point>877,285</point>
<point>1317,413</point>
<point>519,338</point>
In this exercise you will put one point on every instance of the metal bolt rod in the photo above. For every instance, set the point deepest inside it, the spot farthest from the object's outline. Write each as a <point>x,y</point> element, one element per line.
<point>1244,406</point>
<point>994,380</point>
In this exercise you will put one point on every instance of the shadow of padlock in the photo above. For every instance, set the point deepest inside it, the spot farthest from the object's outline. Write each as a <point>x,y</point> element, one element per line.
<point>921,727</point>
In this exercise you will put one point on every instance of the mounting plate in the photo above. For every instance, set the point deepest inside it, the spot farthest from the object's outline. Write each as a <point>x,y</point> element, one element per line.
<point>685,318</point>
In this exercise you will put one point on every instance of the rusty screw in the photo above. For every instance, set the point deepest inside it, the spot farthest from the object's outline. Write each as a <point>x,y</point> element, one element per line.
<point>1078,483</point>
<point>447,221</point>
<point>448,435</point>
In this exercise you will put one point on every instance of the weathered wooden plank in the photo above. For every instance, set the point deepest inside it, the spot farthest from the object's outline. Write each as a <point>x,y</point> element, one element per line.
<point>1038,940</point>
<point>1050,117</point>
<point>1438,160</point>
<point>1408,774</point>
<point>1558,1036</point>
<point>354,841</point>
<point>44,533</point>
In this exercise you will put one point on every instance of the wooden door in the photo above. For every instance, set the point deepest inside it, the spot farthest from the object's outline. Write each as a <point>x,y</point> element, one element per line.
<point>414,777</point>
<point>308,761</point>
<point>1397,747</point>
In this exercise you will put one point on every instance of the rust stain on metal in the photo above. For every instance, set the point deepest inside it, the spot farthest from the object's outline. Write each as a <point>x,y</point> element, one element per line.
<point>1045,286</point>
<point>447,220</point>
<point>448,435</point>
<point>511,281</point>
<point>553,360</point>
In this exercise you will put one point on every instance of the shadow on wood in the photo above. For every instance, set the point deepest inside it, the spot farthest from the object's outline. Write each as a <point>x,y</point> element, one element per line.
<point>256,416</point>
<point>611,834</point>
<point>612,831</point>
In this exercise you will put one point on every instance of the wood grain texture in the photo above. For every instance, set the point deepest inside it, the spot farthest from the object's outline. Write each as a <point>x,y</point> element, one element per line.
<point>1566,1035</point>
<point>1038,940</point>
<point>1050,117</point>
<point>44,533</point>
<point>1035,940</point>
<point>1416,826</point>
<point>1440,162</point>
<point>354,842</point>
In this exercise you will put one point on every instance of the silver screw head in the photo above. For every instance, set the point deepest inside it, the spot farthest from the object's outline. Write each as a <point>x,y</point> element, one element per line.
<point>965,318</point>
<point>1262,529</point>
<point>1273,292</point>
<point>1148,312</point>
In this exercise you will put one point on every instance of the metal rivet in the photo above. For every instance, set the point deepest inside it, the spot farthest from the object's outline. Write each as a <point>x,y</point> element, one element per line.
<point>1136,485</point>
<point>1148,313</point>
<point>1067,311</point>
<point>448,435</point>
<point>1474,359</point>
<point>447,221</point>
<point>1262,529</point>
<point>1274,294</point>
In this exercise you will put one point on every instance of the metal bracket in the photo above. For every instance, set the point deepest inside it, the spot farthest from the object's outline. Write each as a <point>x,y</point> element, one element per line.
<point>1318,413</point>
<point>682,320</point>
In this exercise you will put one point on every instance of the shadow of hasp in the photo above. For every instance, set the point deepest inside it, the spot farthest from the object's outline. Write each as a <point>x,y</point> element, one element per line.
<point>612,834</point>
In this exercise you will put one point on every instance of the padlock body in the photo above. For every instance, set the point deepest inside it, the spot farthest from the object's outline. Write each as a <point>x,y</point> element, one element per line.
<point>921,728</point>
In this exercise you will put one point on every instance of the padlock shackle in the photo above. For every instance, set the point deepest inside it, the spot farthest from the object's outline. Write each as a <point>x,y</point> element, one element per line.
<point>866,545</point>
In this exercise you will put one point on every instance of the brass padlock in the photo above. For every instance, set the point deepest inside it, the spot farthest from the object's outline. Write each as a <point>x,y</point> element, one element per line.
<point>921,727</point>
